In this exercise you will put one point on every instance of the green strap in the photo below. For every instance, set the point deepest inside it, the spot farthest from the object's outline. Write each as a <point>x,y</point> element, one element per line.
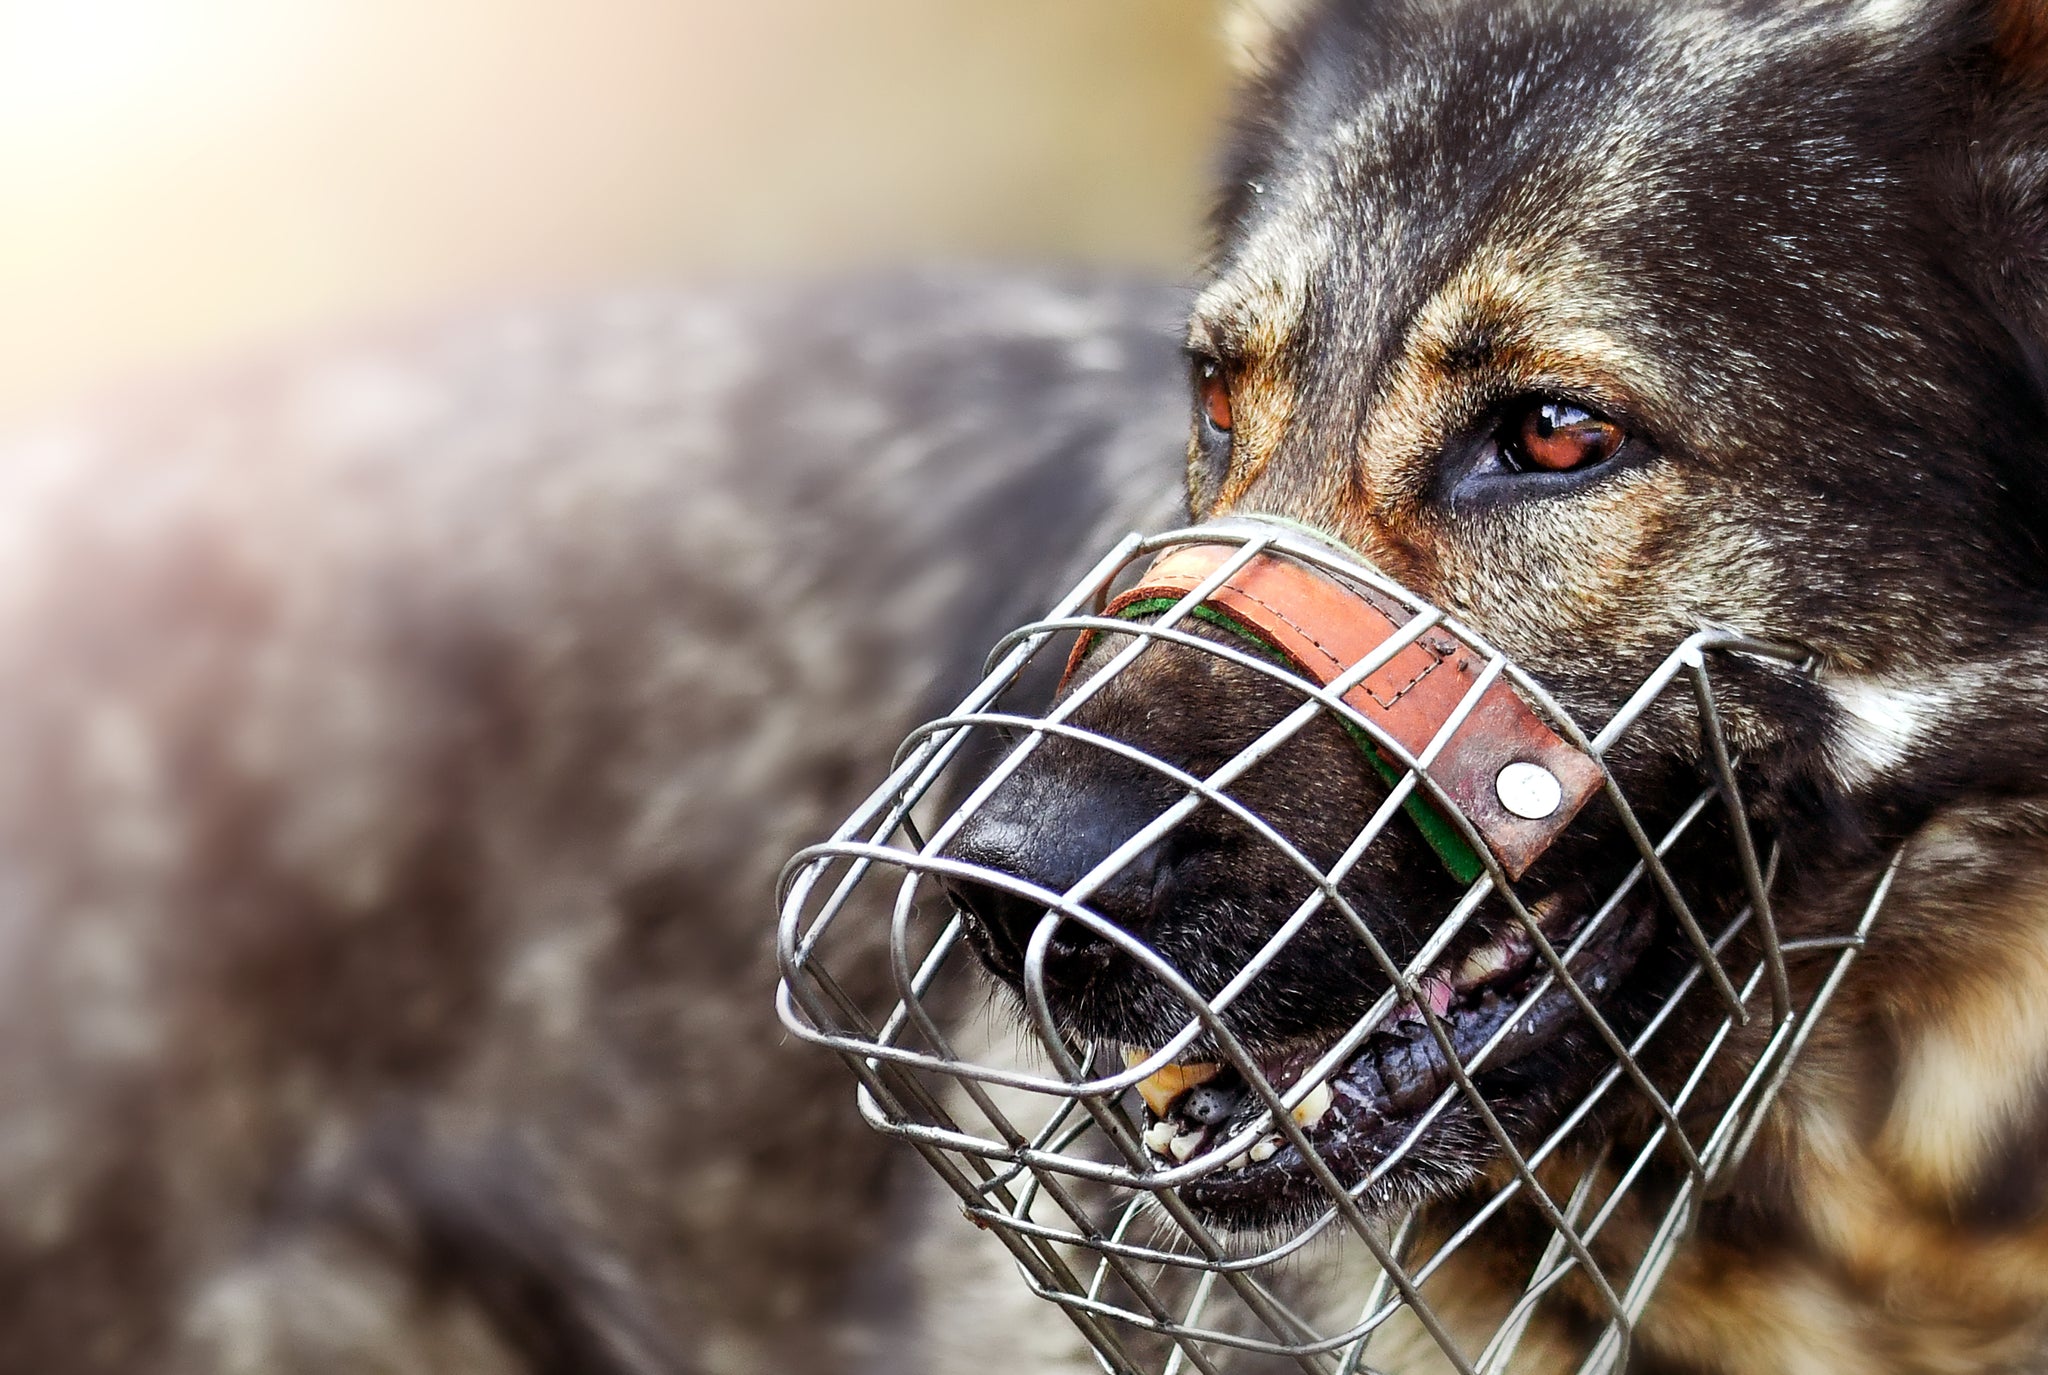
<point>1445,838</point>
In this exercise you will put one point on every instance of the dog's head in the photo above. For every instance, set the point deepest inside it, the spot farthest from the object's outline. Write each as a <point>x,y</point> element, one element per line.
<point>1594,325</point>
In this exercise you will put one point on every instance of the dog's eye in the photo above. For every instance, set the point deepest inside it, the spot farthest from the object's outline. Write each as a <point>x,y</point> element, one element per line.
<point>1559,437</point>
<point>1209,456</point>
<point>1212,394</point>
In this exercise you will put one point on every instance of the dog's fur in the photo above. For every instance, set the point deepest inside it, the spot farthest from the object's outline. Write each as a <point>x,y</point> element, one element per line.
<point>400,749</point>
<point>1800,252</point>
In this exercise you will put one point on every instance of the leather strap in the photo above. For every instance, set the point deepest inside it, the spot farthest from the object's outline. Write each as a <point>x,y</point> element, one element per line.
<point>1323,627</point>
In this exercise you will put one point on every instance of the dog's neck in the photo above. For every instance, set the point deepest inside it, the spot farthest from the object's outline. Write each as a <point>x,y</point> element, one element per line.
<point>1894,1206</point>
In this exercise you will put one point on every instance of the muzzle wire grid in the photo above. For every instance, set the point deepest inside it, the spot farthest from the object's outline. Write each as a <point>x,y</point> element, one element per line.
<point>1054,1159</point>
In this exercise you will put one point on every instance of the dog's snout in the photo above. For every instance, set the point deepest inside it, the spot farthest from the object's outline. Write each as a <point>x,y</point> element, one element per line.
<point>1053,839</point>
<point>1128,819</point>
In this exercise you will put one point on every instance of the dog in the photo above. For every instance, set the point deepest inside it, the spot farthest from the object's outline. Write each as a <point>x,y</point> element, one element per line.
<point>401,743</point>
<point>1599,324</point>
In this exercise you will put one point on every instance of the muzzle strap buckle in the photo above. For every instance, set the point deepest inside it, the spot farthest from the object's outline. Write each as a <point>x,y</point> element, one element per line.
<point>1499,767</point>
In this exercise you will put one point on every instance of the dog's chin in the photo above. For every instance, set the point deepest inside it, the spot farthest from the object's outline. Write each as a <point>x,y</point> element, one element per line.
<point>1389,1123</point>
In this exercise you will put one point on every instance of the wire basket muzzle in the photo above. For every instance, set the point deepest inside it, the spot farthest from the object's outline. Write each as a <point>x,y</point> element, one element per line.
<point>1113,1104</point>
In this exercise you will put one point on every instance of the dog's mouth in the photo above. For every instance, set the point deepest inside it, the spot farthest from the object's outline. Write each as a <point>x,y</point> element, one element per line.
<point>1495,993</point>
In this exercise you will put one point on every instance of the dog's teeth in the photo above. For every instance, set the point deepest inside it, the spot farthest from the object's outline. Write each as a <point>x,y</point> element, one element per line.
<point>1159,1090</point>
<point>1548,909</point>
<point>1310,1110</point>
<point>1484,963</point>
<point>1159,1137</point>
<point>1185,1145</point>
<point>1239,1161</point>
<point>1266,1149</point>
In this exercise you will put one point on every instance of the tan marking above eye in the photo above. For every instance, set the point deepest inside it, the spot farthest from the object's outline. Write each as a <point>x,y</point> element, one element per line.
<point>1558,436</point>
<point>1215,397</point>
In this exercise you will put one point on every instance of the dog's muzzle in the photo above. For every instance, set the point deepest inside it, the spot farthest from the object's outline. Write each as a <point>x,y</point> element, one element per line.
<point>1195,1192</point>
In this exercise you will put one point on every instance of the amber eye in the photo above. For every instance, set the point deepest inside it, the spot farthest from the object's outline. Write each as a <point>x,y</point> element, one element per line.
<point>1559,437</point>
<point>1213,393</point>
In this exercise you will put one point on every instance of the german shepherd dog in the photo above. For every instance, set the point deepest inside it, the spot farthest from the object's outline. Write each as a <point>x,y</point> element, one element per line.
<point>1598,324</point>
<point>400,745</point>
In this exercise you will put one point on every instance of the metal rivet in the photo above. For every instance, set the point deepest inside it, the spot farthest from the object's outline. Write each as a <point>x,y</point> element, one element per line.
<point>1529,790</point>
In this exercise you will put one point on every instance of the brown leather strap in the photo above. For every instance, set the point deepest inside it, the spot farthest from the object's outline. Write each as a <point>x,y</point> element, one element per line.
<point>1324,627</point>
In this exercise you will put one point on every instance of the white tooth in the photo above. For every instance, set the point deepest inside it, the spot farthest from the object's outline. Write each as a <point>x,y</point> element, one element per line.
<point>1266,1149</point>
<point>1238,1162</point>
<point>1310,1110</point>
<point>1483,963</point>
<point>1185,1145</point>
<point>1159,1137</point>
<point>1548,909</point>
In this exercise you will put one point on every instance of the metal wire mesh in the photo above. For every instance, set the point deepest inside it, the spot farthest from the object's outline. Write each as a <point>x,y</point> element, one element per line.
<point>1046,1140</point>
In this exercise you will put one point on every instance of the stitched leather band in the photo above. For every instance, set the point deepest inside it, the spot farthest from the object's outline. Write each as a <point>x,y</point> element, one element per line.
<point>1323,627</point>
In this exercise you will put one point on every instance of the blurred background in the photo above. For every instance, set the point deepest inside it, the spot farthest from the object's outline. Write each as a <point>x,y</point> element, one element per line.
<point>184,182</point>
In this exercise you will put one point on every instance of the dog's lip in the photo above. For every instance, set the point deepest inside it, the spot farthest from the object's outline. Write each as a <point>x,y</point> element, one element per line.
<point>1376,1094</point>
<point>1493,959</point>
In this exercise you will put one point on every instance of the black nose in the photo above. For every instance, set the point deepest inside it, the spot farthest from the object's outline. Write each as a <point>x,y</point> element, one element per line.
<point>1037,829</point>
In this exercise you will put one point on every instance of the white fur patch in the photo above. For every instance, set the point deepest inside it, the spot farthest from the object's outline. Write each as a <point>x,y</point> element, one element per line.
<point>1880,724</point>
<point>1891,14</point>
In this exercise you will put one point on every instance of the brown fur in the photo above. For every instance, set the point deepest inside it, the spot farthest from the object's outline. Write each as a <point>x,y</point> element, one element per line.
<point>2023,37</point>
<point>1929,1071</point>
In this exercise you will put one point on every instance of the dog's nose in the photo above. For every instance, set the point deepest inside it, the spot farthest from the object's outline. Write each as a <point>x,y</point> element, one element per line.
<point>1053,838</point>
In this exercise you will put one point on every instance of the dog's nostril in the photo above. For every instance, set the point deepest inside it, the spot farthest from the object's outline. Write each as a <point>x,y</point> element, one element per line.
<point>1047,828</point>
<point>1128,900</point>
<point>1003,917</point>
<point>1009,919</point>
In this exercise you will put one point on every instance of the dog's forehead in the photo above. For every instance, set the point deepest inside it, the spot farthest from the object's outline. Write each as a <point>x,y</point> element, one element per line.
<point>1401,135</point>
<point>1481,198</point>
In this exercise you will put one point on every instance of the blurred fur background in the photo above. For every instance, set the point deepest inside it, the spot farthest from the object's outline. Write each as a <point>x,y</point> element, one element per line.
<point>481,482</point>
